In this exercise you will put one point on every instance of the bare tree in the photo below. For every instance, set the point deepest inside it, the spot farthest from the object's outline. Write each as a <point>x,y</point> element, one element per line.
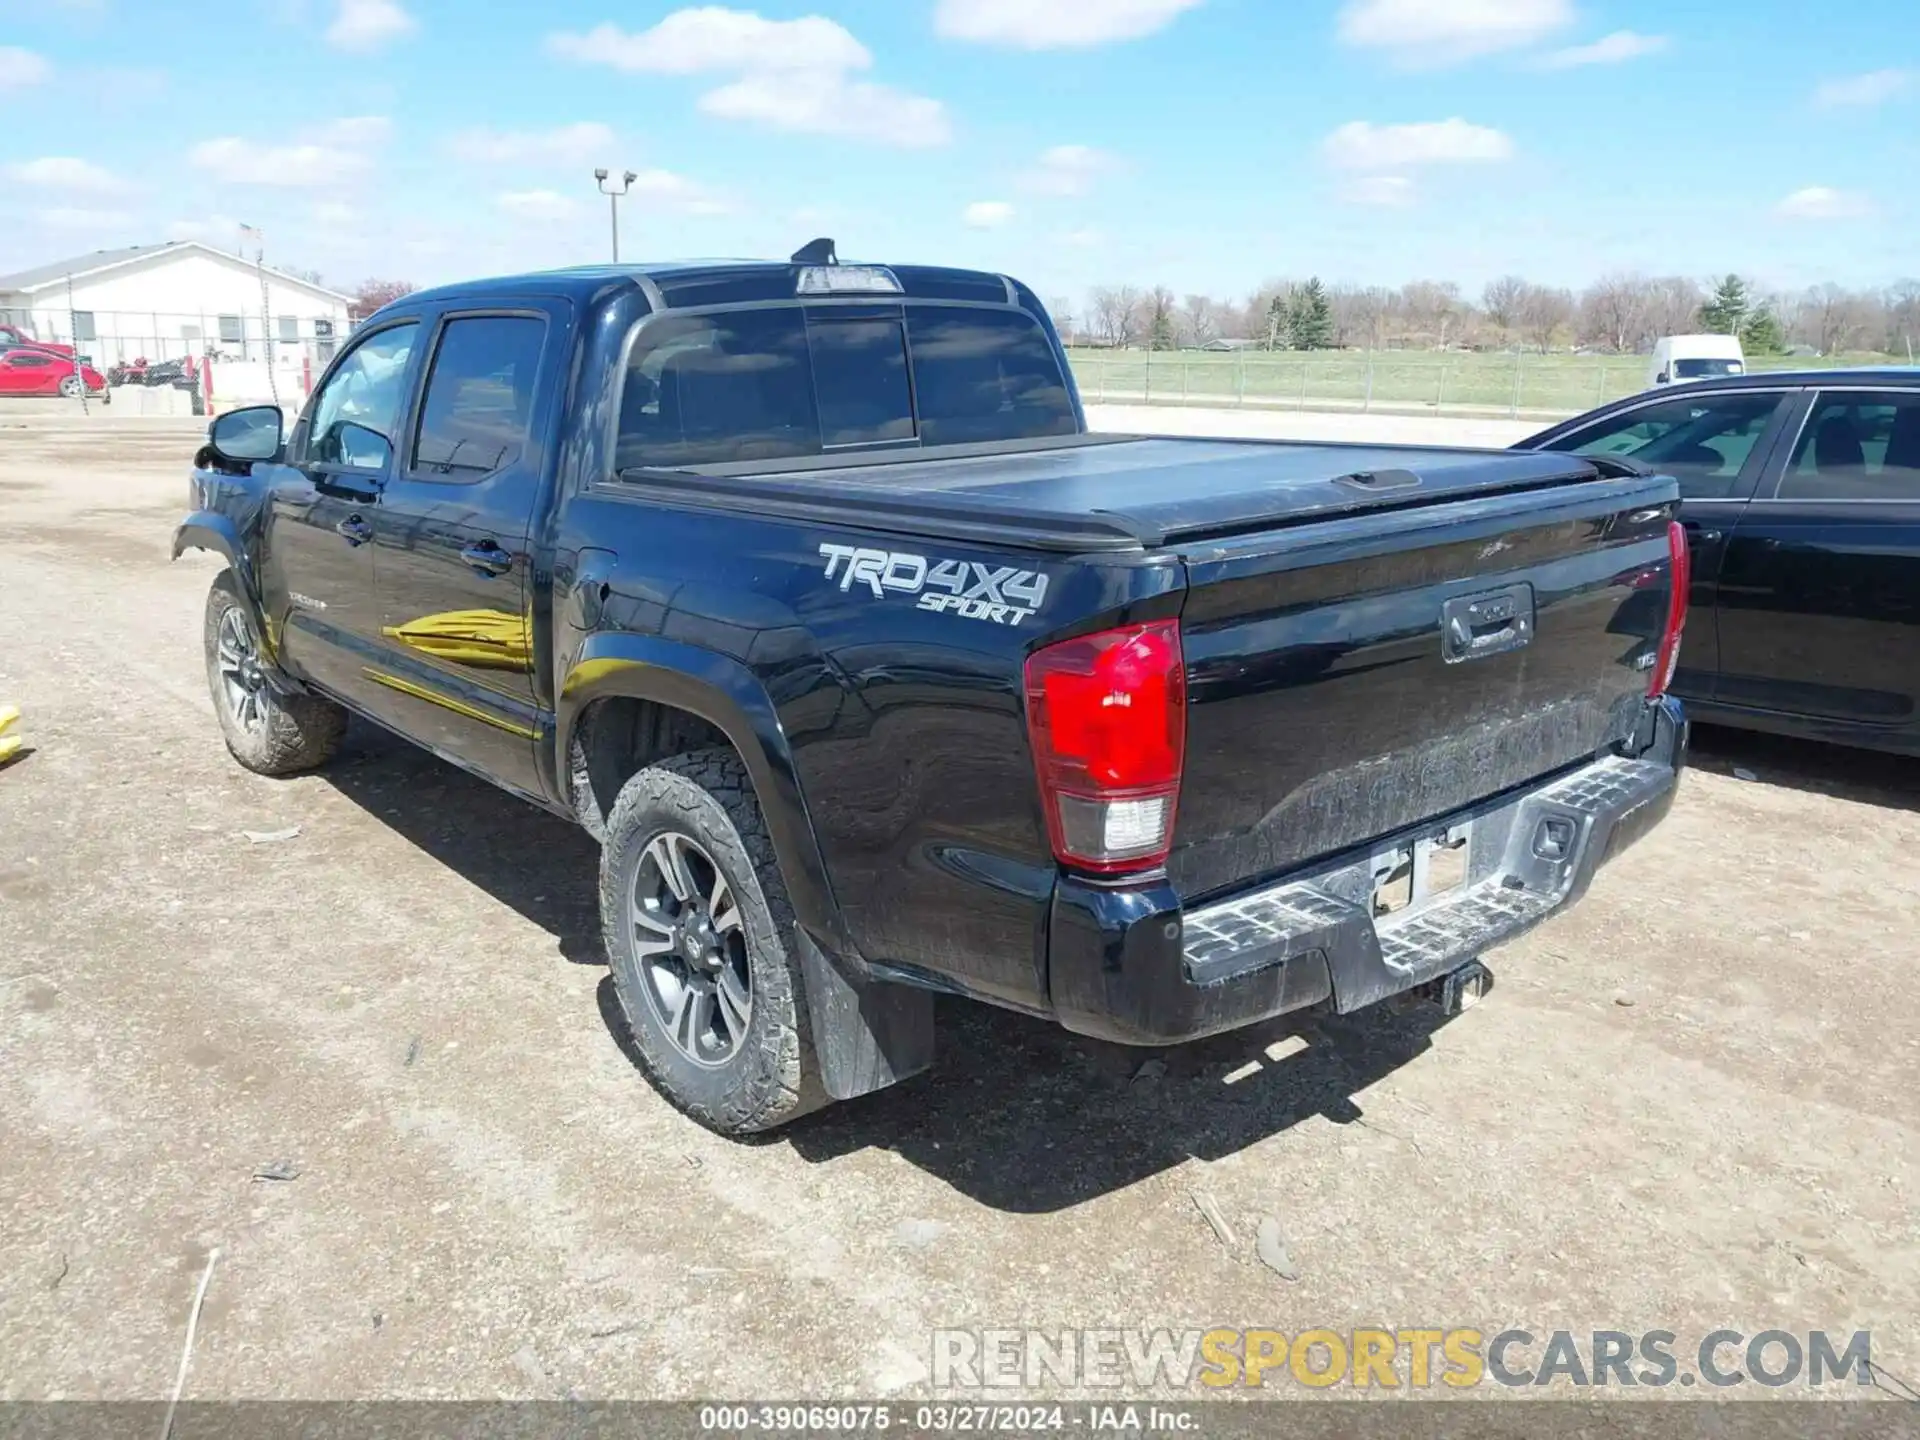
<point>1613,311</point>
<point>1431,307</point>
<point>1116,314</point>
<point>370,295</point>
<point>1833,319</point>
<point>1502,300</point>
<point>1199,320</point>
<point>1903,318</point>
<point>1673,308</point>
<point>1542,312</point>
<point>1061,309</point>
<point>1362,315</point>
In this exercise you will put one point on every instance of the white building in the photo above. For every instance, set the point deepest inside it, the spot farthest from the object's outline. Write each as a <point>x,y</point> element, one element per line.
<point>173,300</point>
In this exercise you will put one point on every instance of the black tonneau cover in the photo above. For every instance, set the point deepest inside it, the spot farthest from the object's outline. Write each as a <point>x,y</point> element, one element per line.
<point>1121,493</point>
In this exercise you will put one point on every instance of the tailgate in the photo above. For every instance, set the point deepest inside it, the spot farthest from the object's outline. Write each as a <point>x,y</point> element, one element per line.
<point>1353,677</point>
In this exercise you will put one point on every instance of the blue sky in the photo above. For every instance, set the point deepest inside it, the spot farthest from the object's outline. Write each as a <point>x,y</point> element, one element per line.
<point>1202,144</point>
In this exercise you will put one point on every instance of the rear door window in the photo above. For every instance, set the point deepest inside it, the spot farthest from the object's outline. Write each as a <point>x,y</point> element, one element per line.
<point>479,398</point>
<point>982,375</point>
<point>1857,446</point>
<point>1702,441</point>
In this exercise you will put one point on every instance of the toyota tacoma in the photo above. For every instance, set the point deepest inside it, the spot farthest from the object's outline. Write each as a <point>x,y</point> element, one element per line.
<point>805,589</point>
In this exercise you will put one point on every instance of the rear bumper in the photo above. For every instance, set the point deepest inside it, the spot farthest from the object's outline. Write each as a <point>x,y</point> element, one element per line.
<point>1130,965</point>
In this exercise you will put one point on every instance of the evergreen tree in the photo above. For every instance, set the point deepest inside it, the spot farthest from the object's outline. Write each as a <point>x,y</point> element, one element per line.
<point>1161,336</point>
<point>1725,313</point>
<point>1279,322</point>
<point>1310,320</point>
<point>1762,333</point>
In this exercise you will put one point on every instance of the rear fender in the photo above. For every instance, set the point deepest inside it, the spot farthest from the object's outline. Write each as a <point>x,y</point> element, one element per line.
<point>867,1033</point>
<point>723,692</point>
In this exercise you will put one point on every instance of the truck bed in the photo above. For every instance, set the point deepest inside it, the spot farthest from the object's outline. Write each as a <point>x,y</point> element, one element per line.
<point>1091,493</point>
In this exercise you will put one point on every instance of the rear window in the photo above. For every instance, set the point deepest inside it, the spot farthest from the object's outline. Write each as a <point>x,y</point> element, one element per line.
<point>715,389</point>
<point>784,383</point>
<point>984,375</point>
<point>860,381</point>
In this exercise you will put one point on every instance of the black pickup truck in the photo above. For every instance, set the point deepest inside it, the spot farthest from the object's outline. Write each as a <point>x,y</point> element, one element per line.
<point>803,587</point>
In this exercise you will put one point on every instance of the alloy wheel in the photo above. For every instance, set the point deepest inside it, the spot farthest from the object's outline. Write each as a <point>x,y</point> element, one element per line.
<point>690,939</point>
<point>243,683</point>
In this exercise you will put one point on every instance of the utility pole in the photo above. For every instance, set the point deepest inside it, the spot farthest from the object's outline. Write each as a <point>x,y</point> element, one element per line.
<point>73,334</point>
<point>627,177</point>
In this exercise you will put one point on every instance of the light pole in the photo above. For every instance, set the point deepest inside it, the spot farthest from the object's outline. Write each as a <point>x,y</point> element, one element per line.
<point>627,177</point>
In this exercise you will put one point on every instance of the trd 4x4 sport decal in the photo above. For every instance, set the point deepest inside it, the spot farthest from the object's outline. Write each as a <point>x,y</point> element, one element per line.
<point>999,593</point>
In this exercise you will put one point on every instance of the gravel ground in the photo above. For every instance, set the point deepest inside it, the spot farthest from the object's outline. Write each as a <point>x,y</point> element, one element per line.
<point>1689,1102</point>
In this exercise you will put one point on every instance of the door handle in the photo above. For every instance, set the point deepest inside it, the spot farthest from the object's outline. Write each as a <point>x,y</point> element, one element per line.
<point>357,530</point>
<point>1698,532</point>
<point>486,557</point>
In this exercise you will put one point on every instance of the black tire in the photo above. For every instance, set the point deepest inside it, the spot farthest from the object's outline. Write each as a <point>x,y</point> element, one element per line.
<point>271,733</point>
<point>770,1076</point>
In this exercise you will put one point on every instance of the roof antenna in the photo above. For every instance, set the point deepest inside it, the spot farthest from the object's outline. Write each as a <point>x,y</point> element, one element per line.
<point>816,252</point>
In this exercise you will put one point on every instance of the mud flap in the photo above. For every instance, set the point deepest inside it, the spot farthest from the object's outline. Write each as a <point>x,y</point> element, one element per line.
<point>866,1036</point>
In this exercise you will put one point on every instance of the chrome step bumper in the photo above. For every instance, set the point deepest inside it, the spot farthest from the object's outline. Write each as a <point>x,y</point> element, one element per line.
<point>1528,854</point>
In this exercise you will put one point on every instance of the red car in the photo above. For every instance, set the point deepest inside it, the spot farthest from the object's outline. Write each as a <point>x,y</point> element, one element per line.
<point>30,370</point>
<point>18,336</point>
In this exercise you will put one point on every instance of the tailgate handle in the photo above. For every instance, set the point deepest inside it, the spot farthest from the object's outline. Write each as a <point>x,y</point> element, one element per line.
<point>1474,626</point>
<point>1374,481</point>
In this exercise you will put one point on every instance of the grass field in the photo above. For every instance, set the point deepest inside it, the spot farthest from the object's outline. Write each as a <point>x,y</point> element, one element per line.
<point>1530,385</point>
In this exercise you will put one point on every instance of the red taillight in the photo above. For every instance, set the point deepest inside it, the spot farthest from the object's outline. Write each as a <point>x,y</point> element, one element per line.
<point>1107,715</point>
<point>1667,660</point>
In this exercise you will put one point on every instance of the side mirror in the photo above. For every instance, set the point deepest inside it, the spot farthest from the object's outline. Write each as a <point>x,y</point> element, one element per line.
<point>242,437</point>
<point>1662,378</point>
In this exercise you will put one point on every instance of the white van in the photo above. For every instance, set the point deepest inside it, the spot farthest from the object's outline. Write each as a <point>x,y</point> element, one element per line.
<point>1677,358</point>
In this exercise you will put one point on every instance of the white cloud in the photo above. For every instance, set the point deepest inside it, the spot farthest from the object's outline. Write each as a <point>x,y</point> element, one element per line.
<point>354,130</point>
<point>675,192</point>
<point>1055,24</point>
<point>1085,238</point>
<point>1822,202</point>
<point>536,204</point>
<point>63,172</point>
<point>1068,170</point>
<point>21,68</point>
<point>1361,145</point>
<point>364,25</point>
<point>62,217</point>
<point>335,213</point>
<point>790,74</point>
<point>711,37</point>
<point>1612,49</point>
<point>325,155</point>
<point>1876,87</point>
<point>1422,34</point>
<point>987,214</point>
<point>1392,191</point>
<point>576,144</point>
<point>827,103</point>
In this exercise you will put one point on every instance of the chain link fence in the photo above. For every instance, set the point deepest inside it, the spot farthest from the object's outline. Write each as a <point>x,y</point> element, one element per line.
<point>121,337</point>
<point>1514,383</point>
